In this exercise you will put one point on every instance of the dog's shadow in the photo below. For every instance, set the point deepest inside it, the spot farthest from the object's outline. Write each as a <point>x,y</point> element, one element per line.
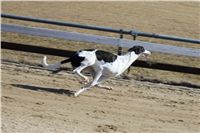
<point>45,89</point>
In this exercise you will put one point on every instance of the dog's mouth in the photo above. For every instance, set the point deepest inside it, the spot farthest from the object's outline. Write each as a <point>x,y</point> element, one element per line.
<point>146,53</point>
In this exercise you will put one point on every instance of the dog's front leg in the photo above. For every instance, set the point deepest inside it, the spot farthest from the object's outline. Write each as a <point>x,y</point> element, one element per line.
<point>101,79</point>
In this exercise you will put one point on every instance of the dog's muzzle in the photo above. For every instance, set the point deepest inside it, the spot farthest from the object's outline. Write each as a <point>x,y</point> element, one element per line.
<point>146,53</point>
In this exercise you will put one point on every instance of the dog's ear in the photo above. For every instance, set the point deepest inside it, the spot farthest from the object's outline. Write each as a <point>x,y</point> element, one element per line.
<point>137,49</point>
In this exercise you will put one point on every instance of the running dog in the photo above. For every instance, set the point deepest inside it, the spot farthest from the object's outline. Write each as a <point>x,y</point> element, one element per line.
<point>104,64</point>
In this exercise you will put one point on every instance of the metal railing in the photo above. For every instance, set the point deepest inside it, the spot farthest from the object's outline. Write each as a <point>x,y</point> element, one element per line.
<point>96,39</point>
<point>101,28</point>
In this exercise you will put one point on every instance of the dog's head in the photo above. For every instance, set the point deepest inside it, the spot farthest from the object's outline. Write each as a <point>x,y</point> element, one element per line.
<point>139,50</point>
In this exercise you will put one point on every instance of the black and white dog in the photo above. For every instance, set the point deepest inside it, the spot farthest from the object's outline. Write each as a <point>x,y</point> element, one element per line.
<point>104,64</point>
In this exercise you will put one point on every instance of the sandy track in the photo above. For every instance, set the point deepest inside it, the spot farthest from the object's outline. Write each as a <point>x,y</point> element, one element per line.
<point>35,100</point>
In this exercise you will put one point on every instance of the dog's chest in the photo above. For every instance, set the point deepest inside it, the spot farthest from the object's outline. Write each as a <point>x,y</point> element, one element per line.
<point>120,64</point>
<point>112,68</point>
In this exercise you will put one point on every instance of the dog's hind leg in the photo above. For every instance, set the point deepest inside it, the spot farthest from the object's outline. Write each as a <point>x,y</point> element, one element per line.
<point>89,85</point>
<point>78,72</point>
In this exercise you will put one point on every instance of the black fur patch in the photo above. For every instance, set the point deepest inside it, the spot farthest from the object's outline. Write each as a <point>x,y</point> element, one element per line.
<point>105,56</point>
<point>76,60</point>
<point>137,49</point>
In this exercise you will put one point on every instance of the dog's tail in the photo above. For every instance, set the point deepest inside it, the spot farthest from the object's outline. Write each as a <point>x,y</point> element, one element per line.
<point>55,66</point>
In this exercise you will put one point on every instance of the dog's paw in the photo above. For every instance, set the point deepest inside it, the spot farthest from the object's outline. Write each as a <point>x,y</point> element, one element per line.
<point>108,88</point>
<point>105,87</point>
<point>85,81</point>
<point>75,95</point>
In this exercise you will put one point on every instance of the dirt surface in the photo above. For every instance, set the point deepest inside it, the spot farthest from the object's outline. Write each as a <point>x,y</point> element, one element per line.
<point>35,100</point>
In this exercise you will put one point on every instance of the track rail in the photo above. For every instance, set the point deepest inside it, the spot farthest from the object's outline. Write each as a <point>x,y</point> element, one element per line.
<point>101,28</point>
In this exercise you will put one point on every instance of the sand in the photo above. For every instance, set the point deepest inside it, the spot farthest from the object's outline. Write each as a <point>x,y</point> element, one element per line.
<point>36,100</point>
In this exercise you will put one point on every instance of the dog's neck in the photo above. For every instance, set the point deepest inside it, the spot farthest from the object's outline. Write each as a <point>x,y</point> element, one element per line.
<point>131,57</point>
<point>126,60</point>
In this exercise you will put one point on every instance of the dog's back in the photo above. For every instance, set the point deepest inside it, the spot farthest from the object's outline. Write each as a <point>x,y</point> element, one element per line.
<point>105,56</point>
